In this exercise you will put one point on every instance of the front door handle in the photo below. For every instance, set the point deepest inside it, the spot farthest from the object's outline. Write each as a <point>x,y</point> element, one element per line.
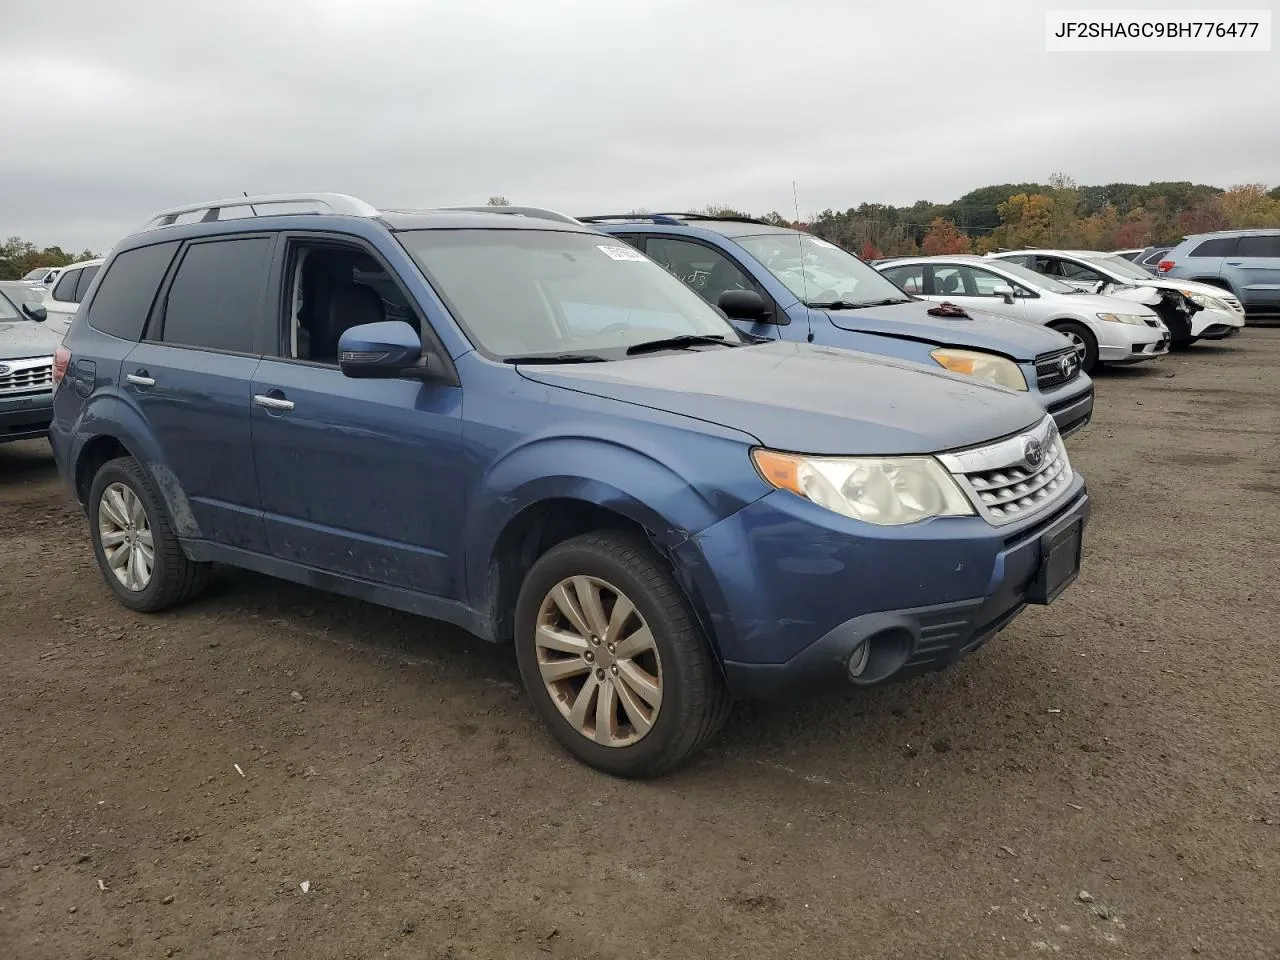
<point>272,403</point>
<point>141,380</point>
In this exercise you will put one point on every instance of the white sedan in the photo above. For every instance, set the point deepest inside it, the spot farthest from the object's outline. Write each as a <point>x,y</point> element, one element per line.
<point>1192,311</point>
<point>1104,329</point>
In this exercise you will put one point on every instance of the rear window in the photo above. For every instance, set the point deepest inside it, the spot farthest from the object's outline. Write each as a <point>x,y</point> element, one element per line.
<point>1261,246</point>
<point>64,291</point>
<point>86,278</point>
<point>125,295</point>
<point>1217,247</point>
<point>215,301</point>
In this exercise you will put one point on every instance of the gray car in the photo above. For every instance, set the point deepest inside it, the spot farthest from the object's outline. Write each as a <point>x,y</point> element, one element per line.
<point>1246,262</point>
<point>26,363</point>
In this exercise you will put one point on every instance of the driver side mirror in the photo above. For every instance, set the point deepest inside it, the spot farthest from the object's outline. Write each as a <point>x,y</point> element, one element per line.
<point>744,305</point>
<point>1004,291</point>
<point>390,348</point>
<point>35,311</point>
<point>1099,286</point>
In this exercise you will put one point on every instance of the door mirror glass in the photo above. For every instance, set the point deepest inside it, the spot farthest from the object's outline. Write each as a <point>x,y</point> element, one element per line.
<point>744,305</point>
<point>36,312</point>
<point>389,348</point>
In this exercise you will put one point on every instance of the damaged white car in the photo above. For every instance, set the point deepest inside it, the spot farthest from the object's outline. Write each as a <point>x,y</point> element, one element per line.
<point>1192,311</point>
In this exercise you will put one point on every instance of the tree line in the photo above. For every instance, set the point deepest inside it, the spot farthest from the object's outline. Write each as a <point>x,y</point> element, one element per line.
<point>19,257</point>
<point>1060,213</point>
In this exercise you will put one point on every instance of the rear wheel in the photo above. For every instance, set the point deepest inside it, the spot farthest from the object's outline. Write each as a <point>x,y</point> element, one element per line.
<point>1083,340</point>
<point>137,551</point>
<point>613,658</point>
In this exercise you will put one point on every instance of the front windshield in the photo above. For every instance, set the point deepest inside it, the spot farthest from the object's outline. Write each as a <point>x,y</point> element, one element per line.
<point>535,292</point>
<point>20,293</point>
<point>1035,280</point>
<point>818,272</point>
<point>7,310</point>
<point>39,273</point>
<point>1121,267</point>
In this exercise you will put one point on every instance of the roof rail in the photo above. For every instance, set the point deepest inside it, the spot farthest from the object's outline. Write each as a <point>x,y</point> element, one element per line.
<point>541,213</point>
<point>336,203</point>
<point>651,217</point>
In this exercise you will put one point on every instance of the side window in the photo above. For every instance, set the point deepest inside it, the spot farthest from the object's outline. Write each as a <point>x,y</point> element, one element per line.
<point>124,297</point>
<point>957,281</point>
<point>1217,247</point>
<point>909,278</point>
<point>330,288</point>
<point>215,300</point>
<point>1260,246</point>
<point>1023,261</point>
<point>86,278</point>
<point>64,291</point>
<point>984,283</point>
<point>1070,270</point>
<point>705,270</point>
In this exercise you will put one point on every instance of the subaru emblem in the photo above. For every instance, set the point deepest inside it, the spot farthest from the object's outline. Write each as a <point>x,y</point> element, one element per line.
<point>1032,453</point>
<point>3,369</point>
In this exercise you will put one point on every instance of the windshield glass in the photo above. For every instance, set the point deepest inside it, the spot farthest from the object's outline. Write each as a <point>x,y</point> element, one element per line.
<point>1121,267</point>
<point>1035,280</point>
<point>20,293</point>
<point>7,310</point>
<point>819,272</point>
<point>39,273</point>
<point>530,292</point>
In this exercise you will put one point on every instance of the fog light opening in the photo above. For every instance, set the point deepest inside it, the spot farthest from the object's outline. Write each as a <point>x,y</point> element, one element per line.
<point>880,656</point>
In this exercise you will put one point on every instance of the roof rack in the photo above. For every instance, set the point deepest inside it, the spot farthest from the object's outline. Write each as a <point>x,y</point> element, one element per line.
<point>673,218</point>
<point>336,203</point>
<point>541,213</point>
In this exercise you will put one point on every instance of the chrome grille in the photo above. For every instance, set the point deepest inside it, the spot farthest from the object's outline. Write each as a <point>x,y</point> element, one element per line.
<point>1014,478</point>
<point>1051,371</point>
<point>26,376</point>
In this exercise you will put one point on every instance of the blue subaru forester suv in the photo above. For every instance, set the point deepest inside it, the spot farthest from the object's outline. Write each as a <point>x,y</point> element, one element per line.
<point>518,424</point>
<point>783,284</point>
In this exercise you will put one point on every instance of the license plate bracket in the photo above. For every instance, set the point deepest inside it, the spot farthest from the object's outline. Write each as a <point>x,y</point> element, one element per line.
<point>1060,551</point>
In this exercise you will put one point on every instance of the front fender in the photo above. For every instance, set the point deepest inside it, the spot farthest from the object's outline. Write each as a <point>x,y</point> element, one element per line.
<point>673,498</point>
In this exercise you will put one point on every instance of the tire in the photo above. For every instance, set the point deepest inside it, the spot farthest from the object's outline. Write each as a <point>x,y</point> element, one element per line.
<point>173,577</point>
<point>693,703</point>
<point>1083,337</point>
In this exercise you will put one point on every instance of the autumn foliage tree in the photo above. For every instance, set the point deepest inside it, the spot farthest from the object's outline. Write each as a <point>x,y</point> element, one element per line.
<point>870,251</point>
<point>945,237</point>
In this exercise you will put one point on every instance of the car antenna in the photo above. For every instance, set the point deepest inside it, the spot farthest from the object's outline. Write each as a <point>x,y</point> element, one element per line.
<point>251,210</point>
<point>804,280</point>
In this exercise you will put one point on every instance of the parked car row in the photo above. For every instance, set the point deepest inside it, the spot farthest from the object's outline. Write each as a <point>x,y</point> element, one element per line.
<point>521,423</point>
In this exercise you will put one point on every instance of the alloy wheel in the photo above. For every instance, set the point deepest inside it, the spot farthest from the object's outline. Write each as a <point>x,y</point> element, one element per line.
<point>599,661</point>
<point>125,533</point>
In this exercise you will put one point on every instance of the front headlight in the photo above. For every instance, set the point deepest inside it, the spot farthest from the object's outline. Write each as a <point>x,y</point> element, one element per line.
<point>1208,303</point>
<point>983,366</point>
<point>1136,319</point>
<point>882,490</point>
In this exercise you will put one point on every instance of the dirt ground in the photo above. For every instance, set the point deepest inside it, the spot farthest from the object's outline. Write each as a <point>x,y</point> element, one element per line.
<point>1102,781</point>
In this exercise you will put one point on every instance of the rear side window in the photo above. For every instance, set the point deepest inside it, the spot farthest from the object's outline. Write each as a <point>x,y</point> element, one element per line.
<point>124,297</point>
<point>86,278</point>
<point>909,278</point>
<point>64,291</point>
<point>1217,247</point>
<point>1263,246</point>
<point>215,300</point>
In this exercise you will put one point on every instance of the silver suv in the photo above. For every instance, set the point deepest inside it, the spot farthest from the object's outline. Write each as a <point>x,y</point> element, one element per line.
<point>1246,262</point>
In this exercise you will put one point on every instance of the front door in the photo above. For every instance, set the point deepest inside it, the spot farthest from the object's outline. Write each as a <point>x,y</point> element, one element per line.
<point>974,287</point>
<point>358,477</point>
<point>1257,265</point>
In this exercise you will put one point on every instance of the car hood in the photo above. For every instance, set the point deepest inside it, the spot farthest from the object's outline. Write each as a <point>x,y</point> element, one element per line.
<point>26,338</point>
<point>984,331</point>
<point>809,399</point>
<point>1190,286</point>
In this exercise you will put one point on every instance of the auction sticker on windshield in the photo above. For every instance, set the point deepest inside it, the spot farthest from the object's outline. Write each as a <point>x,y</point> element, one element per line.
<point>620,252</point>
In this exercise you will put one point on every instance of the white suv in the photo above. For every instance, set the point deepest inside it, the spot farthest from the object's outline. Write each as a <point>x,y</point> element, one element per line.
<point>1104,329</point>
<point>64,299</point>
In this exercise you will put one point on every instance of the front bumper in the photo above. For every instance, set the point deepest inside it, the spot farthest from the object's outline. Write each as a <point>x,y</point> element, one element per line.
<point>790,589</point>
<point>25,417</point>
<point>1071,407</point>
<point>1129,342</point>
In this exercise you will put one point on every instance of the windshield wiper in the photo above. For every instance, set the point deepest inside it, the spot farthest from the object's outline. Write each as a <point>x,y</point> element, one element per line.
<point>680,342</point>
<point>851,305</point>
<point>556,358</point>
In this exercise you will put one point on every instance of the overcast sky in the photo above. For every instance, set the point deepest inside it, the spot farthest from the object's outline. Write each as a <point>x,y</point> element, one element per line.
<point>592,105</point>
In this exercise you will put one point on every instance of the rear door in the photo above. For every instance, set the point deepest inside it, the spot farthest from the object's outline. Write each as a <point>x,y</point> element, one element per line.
<point>1254,271</point>
<point>190,378</point>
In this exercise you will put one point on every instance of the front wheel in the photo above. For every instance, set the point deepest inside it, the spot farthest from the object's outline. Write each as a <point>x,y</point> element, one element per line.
<point>1083,340</point>
<point>613,658</point>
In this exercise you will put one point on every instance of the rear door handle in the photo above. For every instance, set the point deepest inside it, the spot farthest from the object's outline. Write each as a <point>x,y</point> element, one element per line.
<point>1234,263</point>
<point>272,403</point>
<point>141,380</point>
